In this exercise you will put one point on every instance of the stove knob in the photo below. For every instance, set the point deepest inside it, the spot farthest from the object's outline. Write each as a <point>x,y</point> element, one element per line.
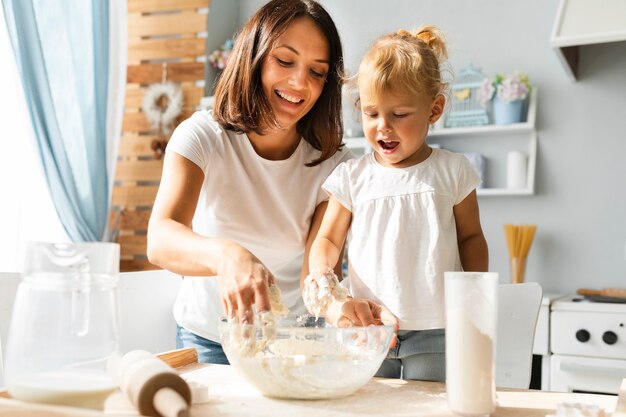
<point>583,335</point>
<point>609,337</point>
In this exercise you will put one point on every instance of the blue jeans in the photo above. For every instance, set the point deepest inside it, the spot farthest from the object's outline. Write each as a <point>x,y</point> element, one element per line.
<point>208,350</point>
<point>417,355</point>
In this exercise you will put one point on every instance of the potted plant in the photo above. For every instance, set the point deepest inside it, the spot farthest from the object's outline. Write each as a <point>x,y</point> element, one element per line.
<point>508,92</point>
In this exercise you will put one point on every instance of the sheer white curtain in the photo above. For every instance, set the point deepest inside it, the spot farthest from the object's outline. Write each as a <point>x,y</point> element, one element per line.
<point>118,47</point>
<point>26,210</point>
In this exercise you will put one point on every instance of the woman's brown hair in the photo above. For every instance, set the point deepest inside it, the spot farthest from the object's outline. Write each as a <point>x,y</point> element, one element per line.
<point>240,102</point>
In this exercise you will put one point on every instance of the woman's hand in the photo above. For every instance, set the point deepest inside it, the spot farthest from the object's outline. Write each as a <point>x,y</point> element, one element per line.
<point>362,312</point>
<point>244,281</point>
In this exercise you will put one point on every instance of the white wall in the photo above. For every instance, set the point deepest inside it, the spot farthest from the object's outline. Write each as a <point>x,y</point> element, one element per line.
<point>222,24</point>
<point>580,204</point>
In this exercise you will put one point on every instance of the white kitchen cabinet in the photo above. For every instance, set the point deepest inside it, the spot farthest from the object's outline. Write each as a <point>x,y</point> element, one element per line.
<point>583,23</point>
<point>494,142</point>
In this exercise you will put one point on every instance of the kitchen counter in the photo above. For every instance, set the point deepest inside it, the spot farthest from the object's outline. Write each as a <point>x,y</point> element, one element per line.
<point>231,396</point>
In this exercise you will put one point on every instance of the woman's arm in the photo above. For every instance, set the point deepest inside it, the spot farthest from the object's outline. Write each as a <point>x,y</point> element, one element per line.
<point>470,239</point>
<point>171,242</point>
<point>173,245</point>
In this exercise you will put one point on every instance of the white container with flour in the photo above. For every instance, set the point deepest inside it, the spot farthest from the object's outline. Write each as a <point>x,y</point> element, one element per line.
<point>471,313</point>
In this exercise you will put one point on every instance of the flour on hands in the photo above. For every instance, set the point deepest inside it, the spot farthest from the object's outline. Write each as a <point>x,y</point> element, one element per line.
<point>321,286</point>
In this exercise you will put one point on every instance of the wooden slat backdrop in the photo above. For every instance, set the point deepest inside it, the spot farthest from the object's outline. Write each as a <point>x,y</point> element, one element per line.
<point>170,31</point>
<point>148,6</point>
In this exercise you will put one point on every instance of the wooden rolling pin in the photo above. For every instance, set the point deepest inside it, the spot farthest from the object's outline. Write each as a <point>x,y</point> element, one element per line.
<point>153,387</point>
<point>605,292</point>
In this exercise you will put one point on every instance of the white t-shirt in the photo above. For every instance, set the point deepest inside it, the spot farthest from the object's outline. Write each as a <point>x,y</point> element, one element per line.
<point>403,234</point>
<point>265,206</point>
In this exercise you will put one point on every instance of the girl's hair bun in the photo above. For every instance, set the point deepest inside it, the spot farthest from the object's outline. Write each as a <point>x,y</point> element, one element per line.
<point>431,36</point>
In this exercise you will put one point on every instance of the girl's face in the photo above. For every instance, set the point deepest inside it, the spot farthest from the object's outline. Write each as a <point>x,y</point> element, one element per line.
<point>294,72</point>
<point>396,126</point>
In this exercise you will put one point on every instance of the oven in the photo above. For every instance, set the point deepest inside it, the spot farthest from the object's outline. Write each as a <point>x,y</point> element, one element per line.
<point>588,344</point>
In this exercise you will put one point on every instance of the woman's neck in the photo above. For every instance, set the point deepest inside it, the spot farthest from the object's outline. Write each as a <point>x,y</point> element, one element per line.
<point>275,145</point>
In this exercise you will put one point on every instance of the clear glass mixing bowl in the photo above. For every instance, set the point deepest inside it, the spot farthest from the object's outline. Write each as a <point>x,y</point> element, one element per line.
<point>304,358</point>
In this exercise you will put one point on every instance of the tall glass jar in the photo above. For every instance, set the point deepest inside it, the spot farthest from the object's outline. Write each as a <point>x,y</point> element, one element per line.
<point>471,323</point>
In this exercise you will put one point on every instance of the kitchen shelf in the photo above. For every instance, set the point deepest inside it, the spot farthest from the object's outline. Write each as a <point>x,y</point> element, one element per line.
<point>525,127</point>
<point>494,140</point>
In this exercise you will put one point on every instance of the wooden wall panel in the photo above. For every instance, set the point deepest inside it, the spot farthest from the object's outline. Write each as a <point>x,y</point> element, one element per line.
<point>149,6</point>
<point>191,96</point>
<point>130,220</point>
<point>141,170</point>
<point>134,145</point>
<point>177,72</point>
<point>137,122</point>
<point>136,264</point>
<point>132,245</point>
<point>126,196</point>
<point>186,22</point>
<point>143,50</point>
<point>160,32</point>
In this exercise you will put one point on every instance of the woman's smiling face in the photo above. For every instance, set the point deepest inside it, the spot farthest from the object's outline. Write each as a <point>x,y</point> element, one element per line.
<point>294,72</point>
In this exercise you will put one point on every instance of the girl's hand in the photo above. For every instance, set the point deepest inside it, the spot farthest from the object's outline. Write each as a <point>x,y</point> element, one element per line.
<point>320,288</point>
<point>244,281</point>
<point>362,312</point>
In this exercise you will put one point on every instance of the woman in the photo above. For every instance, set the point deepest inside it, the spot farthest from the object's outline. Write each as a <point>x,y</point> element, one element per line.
<point>240,199</point>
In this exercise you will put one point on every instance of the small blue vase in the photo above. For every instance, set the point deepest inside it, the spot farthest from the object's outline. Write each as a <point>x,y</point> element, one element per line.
<point>505,113</point>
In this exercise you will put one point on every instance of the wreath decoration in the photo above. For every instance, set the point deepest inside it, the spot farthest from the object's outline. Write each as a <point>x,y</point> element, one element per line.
<point>162,104</point>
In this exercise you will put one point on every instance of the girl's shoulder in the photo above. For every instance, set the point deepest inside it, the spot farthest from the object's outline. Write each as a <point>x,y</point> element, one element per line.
<point>450,159</point>
<point>362,161</point>
<point>354,166</point>
<point>455,169</point>
<point>447,155</point>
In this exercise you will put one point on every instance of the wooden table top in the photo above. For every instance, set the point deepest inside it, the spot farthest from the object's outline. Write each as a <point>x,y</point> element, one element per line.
<point>231,396</point>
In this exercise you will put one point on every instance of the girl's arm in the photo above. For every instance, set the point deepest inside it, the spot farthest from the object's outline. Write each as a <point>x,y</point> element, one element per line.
<point>325,252</point>
<point>327,246</point>
<point>316,222</point>
<point>173,245</point>
<point>470,239</point>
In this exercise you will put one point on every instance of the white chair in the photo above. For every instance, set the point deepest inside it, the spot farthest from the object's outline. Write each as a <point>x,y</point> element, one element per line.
<point>8,286</point>
<point>146,319</point>
<point>518,309</point>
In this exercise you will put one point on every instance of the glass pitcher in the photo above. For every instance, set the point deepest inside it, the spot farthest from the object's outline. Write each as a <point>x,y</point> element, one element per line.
<point>64,327</point>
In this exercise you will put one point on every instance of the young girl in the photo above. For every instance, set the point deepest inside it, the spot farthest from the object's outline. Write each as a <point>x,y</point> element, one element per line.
<point>410,211</point>
<point>240,199</point>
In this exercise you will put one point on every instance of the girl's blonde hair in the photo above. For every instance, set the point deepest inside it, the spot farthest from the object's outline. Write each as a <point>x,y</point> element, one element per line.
<point>407,62</point>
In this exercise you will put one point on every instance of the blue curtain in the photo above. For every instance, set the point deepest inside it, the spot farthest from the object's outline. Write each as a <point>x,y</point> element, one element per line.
<point>61,49</point>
